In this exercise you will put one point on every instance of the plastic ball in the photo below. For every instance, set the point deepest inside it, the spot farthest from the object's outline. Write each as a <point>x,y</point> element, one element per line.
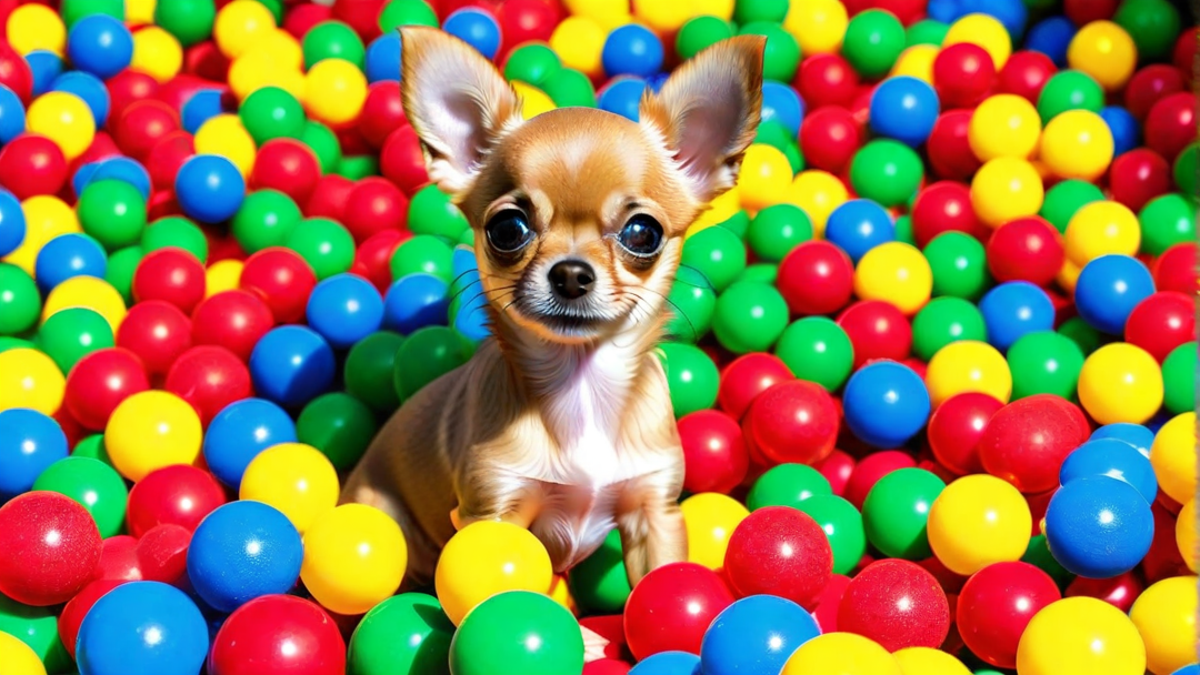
<point>885,404</point>
<point>859,225</point>
<point>334,92</point>
<point>32,442</point>
<point>66,256</point>
<point>671,608</point>
<point>896,273</point>
<point>1108,290</point>
<point>819,193</point>
<point>19,657</point>
<point>71,334</point>
<point>749,316</point>
<point>1045,362</point>
<point>1077,144</point>
<point>764,178</point>
<point>1079,635</point>
<point>100,381</point>
<point>691,377</point>
<point>896,510</point>
<point>968,366</point>
<point>877,330</point>
<point>100,45</point>
<point>209,187</point>
<point>1004,189</point>
<point>962,74</point>
<point>1015,309</point>
<point>1105,51</point>
<point>886,171</point>
<point>1120,383</point>
<point>667,663</point>
<point>1026,442</point>
<point>63,118</point>
<point>157,332</point>
<point>354,557</point>
<point>846,653</point>
<point>35,27</point>
<point>996,604</point>
<point>30,379</point>
<point>817,350</point>
<point>1098,526</point>
<point>896,603</point>
<point>281,633</point>
<point>710,519</point>
<point>872,42</point>
<point>149,430</point>
<point>1170,125</point>
<point>1165,617</point>
<point>402,634</point>
<point>758,633</point>
<point>1004,125</point>
<point>177,494</point>
<point>241,24</point>
<point>294,478</point>
<point>526,631</point>
<point>345,309</point>
<point>240,432</point>
<point>250,539</point>
<point>291,365</point>
<point>157,53</point>
<point>943,322</point>
<point>1115,459</point>
<point>815,278</point>
<point>1173,451</point>
<point>904,108</point>
<point>149,623</point>
<point>793,421</point>
<point>829,137</point>
<point>632,50</point>
<point>778,551</point>
<point>282,279</point>
<point>1027,249</point>
<point>977,521</point>
<point>956,427</point>
<point>51,547</point>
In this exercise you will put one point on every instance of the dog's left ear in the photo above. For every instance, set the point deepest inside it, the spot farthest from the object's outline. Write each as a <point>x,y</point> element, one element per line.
<point>707,113</point>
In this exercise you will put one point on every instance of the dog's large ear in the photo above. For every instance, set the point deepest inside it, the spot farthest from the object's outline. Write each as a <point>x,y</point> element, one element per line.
<point>456,101</point>
<point>707,112</point>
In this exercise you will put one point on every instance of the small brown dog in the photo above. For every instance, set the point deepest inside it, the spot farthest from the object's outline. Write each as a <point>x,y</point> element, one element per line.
<point>562,422</point>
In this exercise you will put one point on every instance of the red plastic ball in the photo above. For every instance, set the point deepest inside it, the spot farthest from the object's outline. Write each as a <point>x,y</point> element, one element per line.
<point>382,113</point>
<point>1163,559</point>
<point>77,608</point>
<point>162,553</point>
<point>142,125</point>
<point>837,468</point>
<point>747,377</point>
<point>523,21</point>
<point>170,274</point>
<point>606,667</point>
<point>907,11</point>
<point>870,469</point>
<point>956,427</point>
<point>328,198</point>
<point>209,378</point>
<point>402,161</point>
<point>829,138</point>
<point>1119,591</point>
<point>1024,74</point>
<point>995,606</point>
<point>1175,269</point>
<point>15,72</point>
<point>671,608</point>
<point>1026,441</point>
<point>374,256</point>
<point>49,548</point>
<point>1184,54</point>
<point>877,330</point>
<point>828,602</point>
<point>826,80</point>
<point>1138,176</point>
<point>896,603</point>
<point>361,15</point>
<point>179,494</point>
<point>32,165</point>
<point>233,319</point>
<point>816,277</point>
<point>1150,84</point>
<point>1026,249</point>
<point>278,634</point>
<point>714,452</point>
<point>962,75</point>
<point>286,165</point>
<point>119,560</point>
<point>1082,12</point>
<point>1161,322</point>
<point>949,151</point>
<point>99,382</point>
<point>302,17</point>
<point>1171,124</point>
<point>793,422</point>
<point>282,279</point>
<point>944,206</point>
<point>158,332</point>
<point>209,65</point>
<point>374,205</point>
<point>167,156</point>
<point>781,551</point>
<point>126,87</point>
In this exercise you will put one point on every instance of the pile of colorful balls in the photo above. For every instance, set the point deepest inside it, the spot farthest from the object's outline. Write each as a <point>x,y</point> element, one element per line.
<point>933,359</point>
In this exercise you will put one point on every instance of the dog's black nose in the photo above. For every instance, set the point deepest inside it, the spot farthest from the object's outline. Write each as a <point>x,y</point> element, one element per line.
<point>572,278</point>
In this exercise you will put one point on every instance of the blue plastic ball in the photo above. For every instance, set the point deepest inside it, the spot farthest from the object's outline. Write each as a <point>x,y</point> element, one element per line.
<point>383,58</point>
<point>209,188</point>
<point>904,108</point>
<point>756,634</point>
<point>1108,289</point>
<point>113,168</point>
<point>30,441</point>
<point>1115,459</point>
<point>944,11</point>
<point>45,66</point>
<point>69,255</point>
<point>1012,14</point>
<point>100,45</point>
<point>632,50</point>
<point>1126,132</point>
<point>12,223</point>
<point>656,82</point>
<point>142,628</point>
<point>88,88</point>
<point>668,663</point>
<point>12,115</point>
<point>415,301</point>
<point>781,103</point>
<point>1052,36</point>
<point>241,551</point>
<point>239,432</point>
<point>1136,435</point>
<point>1014,309</point>
<point>200,108</point>
<point>475,27</point>
<point>291,365</point>
<point>344,309</point>
<point>1098,527</point>
<point>885,404</point>
<point>1189,669</point>
<point>859,225</point>
<point>623,96</point>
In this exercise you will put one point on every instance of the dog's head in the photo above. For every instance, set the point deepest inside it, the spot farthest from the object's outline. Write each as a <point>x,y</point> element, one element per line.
<point>579,214</point>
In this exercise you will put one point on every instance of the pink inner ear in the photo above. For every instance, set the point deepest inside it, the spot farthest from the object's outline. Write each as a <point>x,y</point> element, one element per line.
<point>704,137</point>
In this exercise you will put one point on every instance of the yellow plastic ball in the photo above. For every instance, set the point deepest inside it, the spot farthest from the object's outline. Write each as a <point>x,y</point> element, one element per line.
<point>976,521</point>
<point>33,26</point>
<point>96,294</point>
<point>928,661</point>
<point>46,217</point>
<point>1165,615</point>
<point>985,31</point>
<point>1004,125</point>
<point>1004,189</point>
<point>817,25</point>
<point>818,193</point>
<point>534,101</point>
<point>1121,382</point>
<point>259,68</point>
<point>1173,456</point>
<point>16,657</point>
<point>63,118</point>
<point>150,430</point>
<point>225,135</point>
<point>710,518</point>
<point>1077,144</point>
<point>765,177</point>
<point>1105,51</point>
<point>241,25</point>
<point>579,41</point>
<point>223,275</point>
<point>1101,228</point>
<point>662,16</point>
<point>489,557</point>
<point>968,365</point>
<point>916,61</point>
<point>560,592</point>
<point>334,91</point>
<point>722,9</point>
<point>1185,535</point>
<point>724,207</point>
<point>284,48</point>
<point>1080,635</point>
<point>841,654</point>
<point>1068,276</point>
<point>157,53</point>
<point>355,557</point>
<point>30,379</point>
<point>140,12</point>
<point>609,14</point>
<point>896,273</point>
<point>294,478</point>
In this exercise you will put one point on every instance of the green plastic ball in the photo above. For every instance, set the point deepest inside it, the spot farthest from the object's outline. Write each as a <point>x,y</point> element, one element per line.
<point>717,253</point>
<point>760,272</point>
<point>92,483</point>
<point>700,33</point>
<point>265,219</point>
<point>357,167</point>
<point>271,112</point>
<point>517,633</point>
<point>275,7</point>
<point>37,627</point>
<point>873,42</point>
<point>886,171</point>
<point>324,144</point>
<point>20,303</point>
<point>1065,198</point>
<point>781,56</point>
<point>776,230</point>
<point>599,584</point>
<point>332,40</point>
<point>904,230</point>
<point>1044,362</point>
<point>1153,25</point>
<point>692,377</point>
<point>1179,379</point>
<point>959,265</point>
<point>121,267</point>
<point>432,212</point>
<point>426,355</point>
<point>1037,553</point>
<point>926,32</point>
<point>190,21</point>
<point>843,526</point>
<point>72,11</point>
<point>325,245</point>
<point>1078,331</point>
<point>368,371</point>
<point>570,88</point>
<point>746,11</point>
<point>93,448</point>
<point>750,317</point>
<point>113,213</point>
<point>738,224</point>
<point>1186,170</point>
<point>407,634</point>
<point>943,321</point>
<point>424,253</point>
<point>774,134</point>
<point>71,334</point>
<point>338,425</point>
<point>691,304</point>
<point>8,342</point>
<point>177,232</point>
<point>818,350</point>
<point>1166,221</point>
<point>1069,90</point>
<point>533,63</point>
<point>787,485</point>
<point>406,13</point>
<point>896,512</point>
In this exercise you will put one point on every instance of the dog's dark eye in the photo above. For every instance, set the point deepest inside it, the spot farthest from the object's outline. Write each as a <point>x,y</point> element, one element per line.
<point>641,236</point>
<point>508,231</point>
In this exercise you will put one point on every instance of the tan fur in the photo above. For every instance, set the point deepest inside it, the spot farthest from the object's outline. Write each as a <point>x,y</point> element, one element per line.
<point>566,432</point>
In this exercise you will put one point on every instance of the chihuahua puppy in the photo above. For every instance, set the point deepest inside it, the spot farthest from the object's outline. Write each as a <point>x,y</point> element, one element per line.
<point>561,422</point>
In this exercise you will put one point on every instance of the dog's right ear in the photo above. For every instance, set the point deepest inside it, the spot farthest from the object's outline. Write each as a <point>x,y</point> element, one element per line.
<point>457,101</point>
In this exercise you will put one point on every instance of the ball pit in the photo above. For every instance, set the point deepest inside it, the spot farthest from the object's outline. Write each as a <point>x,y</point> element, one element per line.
<point>932,359</point>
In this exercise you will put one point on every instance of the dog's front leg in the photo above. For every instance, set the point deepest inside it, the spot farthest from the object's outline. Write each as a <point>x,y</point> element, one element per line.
<point>652,533</point>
